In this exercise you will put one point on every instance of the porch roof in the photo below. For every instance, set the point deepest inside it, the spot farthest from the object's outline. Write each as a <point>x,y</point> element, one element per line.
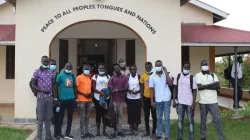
<point>7,34</point>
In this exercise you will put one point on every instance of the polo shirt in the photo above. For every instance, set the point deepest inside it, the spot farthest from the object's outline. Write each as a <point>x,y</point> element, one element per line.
<point>83,84</point>
<point>185,94</point>
<point>67,83</point>
<point>159,83</point>
<point>145,81</point>
<point>207,96</point>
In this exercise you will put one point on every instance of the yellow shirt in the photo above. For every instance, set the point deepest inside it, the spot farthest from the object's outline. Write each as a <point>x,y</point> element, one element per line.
<point>145,80</point>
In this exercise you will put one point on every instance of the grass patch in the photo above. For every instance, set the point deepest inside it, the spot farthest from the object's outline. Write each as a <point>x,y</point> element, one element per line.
<point>232,129</point>
<point>7,133</point>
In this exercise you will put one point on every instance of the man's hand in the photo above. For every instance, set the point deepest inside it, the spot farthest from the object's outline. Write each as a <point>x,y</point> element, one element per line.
<point>88,96</point>
<point>130,91</point>
<point>102,93</point>
<point>164,69</point>
<point>192,107</point>
<point>46,91</point>
<point>174,104</point>
<point>113,91</point>
<point>153,104</point>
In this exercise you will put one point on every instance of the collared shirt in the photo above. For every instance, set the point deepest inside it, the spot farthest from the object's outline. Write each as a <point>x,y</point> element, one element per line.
<point>84,85</point>
<point>185,94</point>
<point>145,81</point>
<point>159,83</point>
<point>239,71</point>
<point>44,78</point>
<point>207,96</point>
<point>118,82</point>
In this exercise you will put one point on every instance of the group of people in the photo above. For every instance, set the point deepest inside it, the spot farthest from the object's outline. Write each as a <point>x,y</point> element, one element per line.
<point>152,90</point>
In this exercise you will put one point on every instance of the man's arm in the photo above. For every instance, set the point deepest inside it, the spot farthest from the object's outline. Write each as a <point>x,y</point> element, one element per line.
<point>208,86</point>
<point>35,83</point>
<point>168,77</point>
<point>215,87</point>
<point>194,91</point>
<point>125,86</point>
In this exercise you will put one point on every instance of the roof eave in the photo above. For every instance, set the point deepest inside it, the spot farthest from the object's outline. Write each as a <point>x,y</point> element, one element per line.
<point>184,2</point>
<point>215,44</point>
<point>13,2</point>
<point>7,43</point>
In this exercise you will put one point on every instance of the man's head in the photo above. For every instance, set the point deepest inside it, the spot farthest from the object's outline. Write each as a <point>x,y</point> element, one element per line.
<point>186,67</point>
<point>158,66</point>
<point>122,62</point>
<point>101,68</point>
<point>239,59</point>
<point>133,69</point>
<point>52,64</point>
<point>117,68</point>
<point>204,65</point>
<point>45,62</point>
<point>86,69</point>
<point>148,67</point>
<point>68,68</point>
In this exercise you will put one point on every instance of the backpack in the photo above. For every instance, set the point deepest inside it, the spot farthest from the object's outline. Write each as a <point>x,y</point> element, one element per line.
<point>31,87</point>
<point>171,88</point>
<point>212,74</point>
<point>178,78</point>
<point>227,72</point>
<point>110,118</point>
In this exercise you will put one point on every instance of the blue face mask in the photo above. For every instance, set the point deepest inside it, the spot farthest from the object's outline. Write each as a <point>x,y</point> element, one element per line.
<point>158,69</point>
<point>45,66</point>
<point>52,67</point>
<point>68,71</point>
<point>185,71</point>
<point>101,72</point>
<point>86,72</point>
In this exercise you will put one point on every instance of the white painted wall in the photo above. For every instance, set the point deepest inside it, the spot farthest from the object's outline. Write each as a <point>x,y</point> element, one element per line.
<point>6,14</point>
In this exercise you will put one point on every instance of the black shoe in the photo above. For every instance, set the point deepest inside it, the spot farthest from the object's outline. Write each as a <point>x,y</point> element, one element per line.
<point>121,134</point>
<point>240,106</point>
<point>83,137</point>
<point>112,136</point>
<point>203,138</point>
<point>69,137</point>
<point>89,135</point>
<point>59,137</point>
<point>157,138</point>
<point>145,135</point>
<point>167,138</point>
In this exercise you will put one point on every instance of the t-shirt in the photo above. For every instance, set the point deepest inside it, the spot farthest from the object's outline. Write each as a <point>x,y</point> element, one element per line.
<point>83,84</point>
<point>185,94</point>
<point>207,96</point>
<point>133,84</point>
<point>145,81</point>
<point>101,83</point>
<point>67,83</point>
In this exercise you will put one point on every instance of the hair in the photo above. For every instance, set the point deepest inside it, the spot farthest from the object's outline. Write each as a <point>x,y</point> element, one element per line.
<point>100,64</point>
<point>85,64</point>
<point>239,57</point>
<point>44,57</point>
<point>116,64</point>
<point>186,62</point>
<point>148,63</point>
<point>133,65</point>
<point>53,60</point>
<point>158,61</point>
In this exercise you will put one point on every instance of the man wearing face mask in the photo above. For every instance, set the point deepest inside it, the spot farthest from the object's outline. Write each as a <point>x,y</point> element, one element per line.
<point>185,85</point>
<point>208,84</point>
<point>159,83</point>
<point>42,83</point>
<point>66,82</point>
<point>84,95</point>
<point>124,68</point>
<point>146,99</point>
<point>239,76</point>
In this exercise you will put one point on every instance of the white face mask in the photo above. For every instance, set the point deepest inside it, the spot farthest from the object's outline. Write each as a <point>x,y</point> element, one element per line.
<point>204,68</point>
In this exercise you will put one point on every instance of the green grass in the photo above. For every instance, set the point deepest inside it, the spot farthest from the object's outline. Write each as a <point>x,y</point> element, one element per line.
<point>7,133</point>
<point>233,130</point>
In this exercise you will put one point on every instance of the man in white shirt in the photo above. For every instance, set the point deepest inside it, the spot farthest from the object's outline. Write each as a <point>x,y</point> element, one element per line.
<point>208,84</point>
<point>239,75</point>
<point>159,83</point>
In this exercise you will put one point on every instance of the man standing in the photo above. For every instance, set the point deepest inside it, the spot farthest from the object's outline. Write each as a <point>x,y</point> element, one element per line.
<point>84,96</point>
<point>66,82</point>
<point>42,82</point>
<point>118,85</point>
<point>124,68</point>
<point>159,83</point>
<point>146,100</point>
<point>239,76</point>
<point>208,84</point>
<point>185,85</point>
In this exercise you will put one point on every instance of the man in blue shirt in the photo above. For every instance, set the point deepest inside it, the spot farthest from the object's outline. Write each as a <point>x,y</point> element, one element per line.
<point>67,87</point>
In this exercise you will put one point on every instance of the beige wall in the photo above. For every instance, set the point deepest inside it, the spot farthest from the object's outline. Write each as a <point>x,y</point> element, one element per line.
<point>194,14</point>
<point>6,14</point>
<point>152,11</point>
<point>7,86</point>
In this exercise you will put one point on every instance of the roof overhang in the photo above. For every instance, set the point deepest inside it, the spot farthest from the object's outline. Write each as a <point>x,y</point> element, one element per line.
<point>215,44</point>
<point>184,1</point>
<point>218,14</point>
<point>7,43</point>
<point>13,2</point>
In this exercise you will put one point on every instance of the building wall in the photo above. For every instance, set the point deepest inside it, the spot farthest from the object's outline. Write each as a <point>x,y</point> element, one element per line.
<point>7,85</point>
<point>6,14</point>
<point>152,11</point>
<point>193,14</point>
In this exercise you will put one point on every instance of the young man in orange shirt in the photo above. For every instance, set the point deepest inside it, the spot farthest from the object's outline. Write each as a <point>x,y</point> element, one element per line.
<point>83,83</point>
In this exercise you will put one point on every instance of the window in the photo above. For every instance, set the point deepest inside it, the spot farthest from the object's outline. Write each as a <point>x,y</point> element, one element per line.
<point>10,62</point>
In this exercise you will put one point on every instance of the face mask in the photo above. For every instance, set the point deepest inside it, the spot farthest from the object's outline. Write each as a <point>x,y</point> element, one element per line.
<point>148,72</point>
<point>52,67</point>
<point>158,69</point>
<point>45,66</point>
<point>101,72</point>
<point>185,71</point>
<point>122,64</point>
<point>68,71</point>
<point>204,68</point>
<point>86,72</point>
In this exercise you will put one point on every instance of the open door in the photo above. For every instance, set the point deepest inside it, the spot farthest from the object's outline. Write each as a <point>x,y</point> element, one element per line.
<point>63,53</point>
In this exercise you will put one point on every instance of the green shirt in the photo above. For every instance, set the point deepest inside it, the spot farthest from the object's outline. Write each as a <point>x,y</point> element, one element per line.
<point>67,84</point>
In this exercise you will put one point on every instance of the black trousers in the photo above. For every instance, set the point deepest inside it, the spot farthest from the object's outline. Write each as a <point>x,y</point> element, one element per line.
<point>70,106</point>
<point>134,111</point>
<point>100,111</point>
<point>240,92</point>
<point>147,108</point>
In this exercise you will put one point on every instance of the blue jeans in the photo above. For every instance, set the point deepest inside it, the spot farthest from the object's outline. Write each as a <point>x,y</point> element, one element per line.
<point>163,107</point>
<point>190,115</point>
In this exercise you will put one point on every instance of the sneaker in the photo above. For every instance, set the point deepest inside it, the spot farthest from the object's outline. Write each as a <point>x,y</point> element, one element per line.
<point>83,137</point>
<point>89,135</point>
<point>121,134</point>
<point>203,138</point>
<point>59,137</point>
<point>145,135</point>
<point>158,138</point>
<point>167,138</point>
<point>69,137</point>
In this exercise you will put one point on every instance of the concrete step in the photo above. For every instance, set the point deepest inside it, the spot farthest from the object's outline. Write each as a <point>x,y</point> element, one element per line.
<point>7,118</point>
